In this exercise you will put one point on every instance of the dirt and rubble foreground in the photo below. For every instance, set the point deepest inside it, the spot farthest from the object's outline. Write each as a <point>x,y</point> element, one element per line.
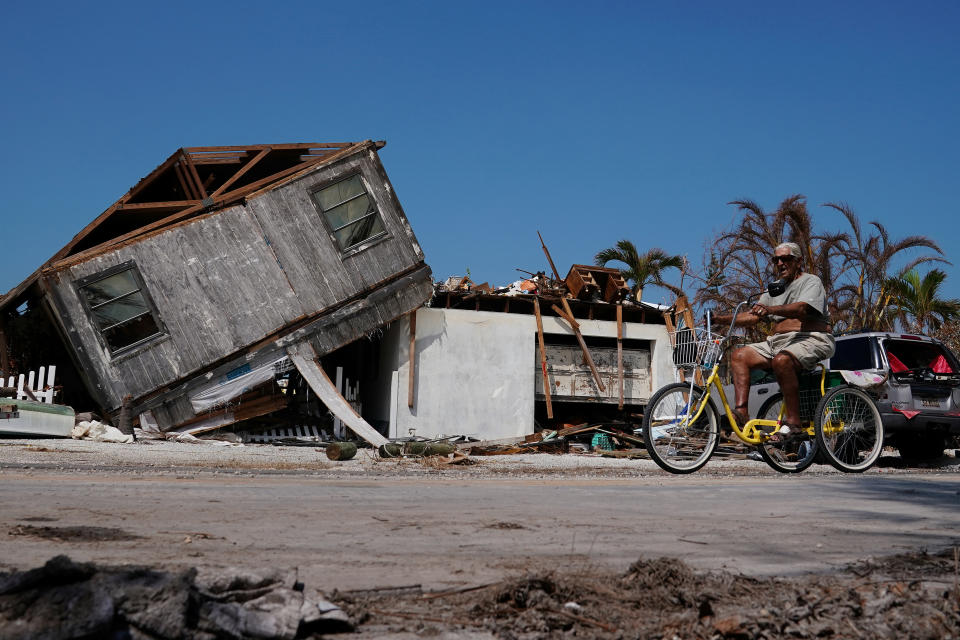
<point>904,596</point>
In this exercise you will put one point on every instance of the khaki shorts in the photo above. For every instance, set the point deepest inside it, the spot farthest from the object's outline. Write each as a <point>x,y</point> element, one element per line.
<point>808,348</point>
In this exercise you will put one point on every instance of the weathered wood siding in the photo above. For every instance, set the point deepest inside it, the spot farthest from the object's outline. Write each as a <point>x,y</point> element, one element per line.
<point>226,281</point>
<point>306,249</point>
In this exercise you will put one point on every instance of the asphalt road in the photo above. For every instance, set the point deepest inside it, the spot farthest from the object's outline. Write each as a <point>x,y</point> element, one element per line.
<point>448,532</point>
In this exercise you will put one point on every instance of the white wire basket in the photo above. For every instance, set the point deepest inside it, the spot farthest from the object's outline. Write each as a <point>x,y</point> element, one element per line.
<point>696,347</point>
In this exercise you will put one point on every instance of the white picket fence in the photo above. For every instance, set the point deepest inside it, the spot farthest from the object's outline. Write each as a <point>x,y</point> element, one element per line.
<point>300,431</point>
<point>42,391</point>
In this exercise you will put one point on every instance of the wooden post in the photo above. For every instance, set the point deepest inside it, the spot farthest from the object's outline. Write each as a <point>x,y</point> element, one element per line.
<point>583,345</point>
<point>125,420</point>
<point>620,353</point>
<point>4,355</point>
<point>543,357</point>
<point>413,357</point>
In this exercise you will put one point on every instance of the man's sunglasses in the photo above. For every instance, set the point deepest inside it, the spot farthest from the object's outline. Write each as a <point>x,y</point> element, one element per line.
<point>777,259</point>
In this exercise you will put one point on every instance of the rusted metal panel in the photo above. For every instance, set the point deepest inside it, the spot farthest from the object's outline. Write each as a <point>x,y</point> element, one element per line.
<point>571,380</point>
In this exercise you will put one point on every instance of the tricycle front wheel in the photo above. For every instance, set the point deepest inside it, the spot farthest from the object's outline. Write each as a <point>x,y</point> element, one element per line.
<point>676,443</point>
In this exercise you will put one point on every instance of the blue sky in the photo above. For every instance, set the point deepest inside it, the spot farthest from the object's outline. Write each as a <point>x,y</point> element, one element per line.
<point>590,122</point>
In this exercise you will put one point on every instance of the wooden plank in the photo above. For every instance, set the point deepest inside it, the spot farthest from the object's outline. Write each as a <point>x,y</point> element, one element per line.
<point>171,204</point>
<point>543,357</point>
<point>239,174</point>
<point>230,158</point>
<point>185,184</point>
<point>253,147</point>
<point>568,317</point>
<point>620,353</point>
<point>305,359</point>
<point>192,174</point>
<point>583,346</point>
<point>413,358</point>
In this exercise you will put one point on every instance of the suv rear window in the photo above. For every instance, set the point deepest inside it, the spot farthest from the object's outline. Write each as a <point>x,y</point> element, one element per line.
<point>910,354</point>
<point>853,354</point>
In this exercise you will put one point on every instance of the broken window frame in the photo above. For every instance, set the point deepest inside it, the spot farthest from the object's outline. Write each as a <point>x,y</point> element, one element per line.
<point>373,210</point>
<point>141,288</point>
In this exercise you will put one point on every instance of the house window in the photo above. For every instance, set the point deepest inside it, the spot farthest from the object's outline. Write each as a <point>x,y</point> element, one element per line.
<point>350,212</point>
<point>120,307</point>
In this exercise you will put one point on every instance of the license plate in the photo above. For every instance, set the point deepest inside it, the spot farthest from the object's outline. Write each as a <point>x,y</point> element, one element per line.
<point>929,402</point>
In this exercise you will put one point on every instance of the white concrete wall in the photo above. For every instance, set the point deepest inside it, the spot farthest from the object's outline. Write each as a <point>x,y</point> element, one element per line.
<point>474,374</point>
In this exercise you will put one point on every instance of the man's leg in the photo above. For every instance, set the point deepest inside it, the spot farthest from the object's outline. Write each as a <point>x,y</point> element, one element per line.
<point>786,368</point>
<point>744,359</point>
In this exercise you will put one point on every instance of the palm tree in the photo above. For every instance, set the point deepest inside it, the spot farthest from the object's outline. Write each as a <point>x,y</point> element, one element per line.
<point>917,303</point>
<point>869,260</point>
<point>642,269</point>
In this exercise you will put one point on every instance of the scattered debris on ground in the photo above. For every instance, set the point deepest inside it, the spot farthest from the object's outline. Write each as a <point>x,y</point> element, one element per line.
<point>913,595</point>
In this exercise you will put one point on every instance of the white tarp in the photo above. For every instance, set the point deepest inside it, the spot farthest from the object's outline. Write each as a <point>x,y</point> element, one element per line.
<point>234,384</point>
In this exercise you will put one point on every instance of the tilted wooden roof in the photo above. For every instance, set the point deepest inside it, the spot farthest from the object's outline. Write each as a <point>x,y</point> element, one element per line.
<point>191,182</point>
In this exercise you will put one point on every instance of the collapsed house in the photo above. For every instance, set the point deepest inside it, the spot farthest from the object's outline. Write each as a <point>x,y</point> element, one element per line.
<point>220,269</point>
<point>282,285</point>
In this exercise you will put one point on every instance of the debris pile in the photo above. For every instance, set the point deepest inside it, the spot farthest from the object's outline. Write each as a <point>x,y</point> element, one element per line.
<point>664,599</point>
<point>67,599</point>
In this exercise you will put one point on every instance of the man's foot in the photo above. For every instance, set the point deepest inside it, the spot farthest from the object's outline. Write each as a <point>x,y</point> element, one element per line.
<point>786,434</point>
<point>741,414</point>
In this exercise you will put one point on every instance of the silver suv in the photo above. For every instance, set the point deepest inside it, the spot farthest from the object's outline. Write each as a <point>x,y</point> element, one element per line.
<point>920,400</point>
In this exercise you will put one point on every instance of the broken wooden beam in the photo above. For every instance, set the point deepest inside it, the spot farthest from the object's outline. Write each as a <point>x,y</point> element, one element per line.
<point>583,346</point>
<point>620,354</point>
<point>566,316</point>
<point>543,358</point>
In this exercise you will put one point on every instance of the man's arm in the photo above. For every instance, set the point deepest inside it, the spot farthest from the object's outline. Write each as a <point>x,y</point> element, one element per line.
<point>746,319</point>
<point>795,310</point>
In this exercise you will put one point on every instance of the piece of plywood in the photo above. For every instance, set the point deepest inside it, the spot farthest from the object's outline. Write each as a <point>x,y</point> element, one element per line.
<point>305,359</point>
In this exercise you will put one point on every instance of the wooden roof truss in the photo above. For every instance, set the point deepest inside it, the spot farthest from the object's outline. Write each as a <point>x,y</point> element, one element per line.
<point>192,181</point>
